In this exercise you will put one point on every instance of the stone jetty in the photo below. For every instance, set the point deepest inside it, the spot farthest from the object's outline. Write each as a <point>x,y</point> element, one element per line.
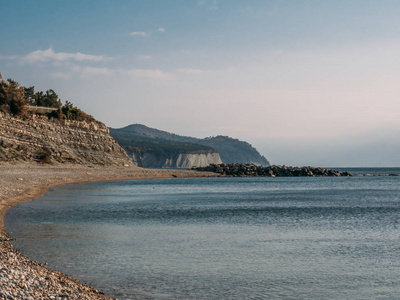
<point>252,170</point>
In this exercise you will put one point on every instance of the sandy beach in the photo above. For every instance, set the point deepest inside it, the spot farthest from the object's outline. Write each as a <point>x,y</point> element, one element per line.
<point>21,278</point>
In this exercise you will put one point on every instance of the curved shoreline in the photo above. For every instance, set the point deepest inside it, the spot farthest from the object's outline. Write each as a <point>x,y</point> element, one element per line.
<point>21,277</point>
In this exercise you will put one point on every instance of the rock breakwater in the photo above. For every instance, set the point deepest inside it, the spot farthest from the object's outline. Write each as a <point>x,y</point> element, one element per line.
<point>251,170</point>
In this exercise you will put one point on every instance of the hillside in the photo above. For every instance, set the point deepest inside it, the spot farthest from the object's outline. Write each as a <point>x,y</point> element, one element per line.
<point>235,151</point>
<point>144,140</point>
<point>152,152</point>
<point>52,141</point>
<point>36,127</point>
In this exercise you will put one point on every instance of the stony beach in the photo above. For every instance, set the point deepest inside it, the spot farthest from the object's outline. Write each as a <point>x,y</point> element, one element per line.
<point>21,278</point>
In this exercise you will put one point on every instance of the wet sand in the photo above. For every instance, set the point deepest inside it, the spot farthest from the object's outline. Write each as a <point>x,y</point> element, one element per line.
<point>21,278</point>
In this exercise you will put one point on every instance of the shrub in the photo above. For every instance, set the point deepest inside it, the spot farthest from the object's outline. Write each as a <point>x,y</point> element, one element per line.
<point>12,97</point>
<point>73,113</point>
<point>44,156</point>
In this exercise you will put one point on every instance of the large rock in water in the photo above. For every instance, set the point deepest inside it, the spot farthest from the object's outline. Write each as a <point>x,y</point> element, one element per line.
<point>54,141</point>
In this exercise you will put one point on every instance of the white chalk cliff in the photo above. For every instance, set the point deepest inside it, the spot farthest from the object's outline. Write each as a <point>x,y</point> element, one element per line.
<point>181,160</point>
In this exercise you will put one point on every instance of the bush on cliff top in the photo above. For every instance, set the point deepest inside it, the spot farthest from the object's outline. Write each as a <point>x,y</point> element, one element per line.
<point>71,112</point>
<point>48,99</point>
<point>14,99</point>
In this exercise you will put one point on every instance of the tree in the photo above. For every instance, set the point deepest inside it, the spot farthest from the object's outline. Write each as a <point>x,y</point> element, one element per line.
<point>30,95</point>
<point>70,112</point>
<point>12,97</point>
<point>51,99</point>
<point>48,99</point>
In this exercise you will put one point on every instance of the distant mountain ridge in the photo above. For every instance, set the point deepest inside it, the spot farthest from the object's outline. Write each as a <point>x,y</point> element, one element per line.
<point>138,139</point>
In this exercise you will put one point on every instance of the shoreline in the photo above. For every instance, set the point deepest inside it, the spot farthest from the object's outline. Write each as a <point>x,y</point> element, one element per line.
<point>25,279</point>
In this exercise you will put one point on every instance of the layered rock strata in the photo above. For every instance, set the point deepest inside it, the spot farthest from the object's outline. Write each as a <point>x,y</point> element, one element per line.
<point>251,170</point>
<point>49,141</point>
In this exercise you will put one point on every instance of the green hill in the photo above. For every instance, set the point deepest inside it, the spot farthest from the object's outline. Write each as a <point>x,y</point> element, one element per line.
<point>142,139</point>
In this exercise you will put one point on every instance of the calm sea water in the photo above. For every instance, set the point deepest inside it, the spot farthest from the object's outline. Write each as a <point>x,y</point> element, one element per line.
<point>221,238</point>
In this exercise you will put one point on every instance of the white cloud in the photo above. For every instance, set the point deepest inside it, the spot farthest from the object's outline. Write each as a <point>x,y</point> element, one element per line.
<point>139,33</point>
<point>144,57</point>
<point>146,34</point>
<point>50,55</point>
<point>153,74</point>
<point>61,75</point>
<point>90,72</point>
<point>191,71</point>
<point>9,57</point>
<point>212,4</point>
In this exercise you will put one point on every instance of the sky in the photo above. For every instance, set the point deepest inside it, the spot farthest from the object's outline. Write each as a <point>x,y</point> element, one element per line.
<point>305,82</point>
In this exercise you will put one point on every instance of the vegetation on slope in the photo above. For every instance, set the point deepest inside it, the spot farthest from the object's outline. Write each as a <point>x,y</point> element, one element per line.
<point>17,100</point>
<point>231,150</point>
<point>138,143</point>
<point>235,151</point>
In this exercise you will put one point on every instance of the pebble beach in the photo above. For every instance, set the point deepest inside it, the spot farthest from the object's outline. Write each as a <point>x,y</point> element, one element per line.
<point>21,278</point>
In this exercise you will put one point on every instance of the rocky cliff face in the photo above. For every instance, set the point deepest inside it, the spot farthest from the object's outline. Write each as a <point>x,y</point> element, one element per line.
<point>188,160</point>
<point>178,160</point>
<point>50,141</point>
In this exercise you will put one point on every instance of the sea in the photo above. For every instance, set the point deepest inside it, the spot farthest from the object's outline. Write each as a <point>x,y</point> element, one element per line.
<point>222,238</point>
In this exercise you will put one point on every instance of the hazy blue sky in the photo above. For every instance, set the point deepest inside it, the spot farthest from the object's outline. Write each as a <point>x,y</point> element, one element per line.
<point>305,82</point>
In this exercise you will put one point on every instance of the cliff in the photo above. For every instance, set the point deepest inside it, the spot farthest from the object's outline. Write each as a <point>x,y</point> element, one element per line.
<point>53,141</point>
<point>149,152</point>
<point>177,160</point>
<point>229,149</point>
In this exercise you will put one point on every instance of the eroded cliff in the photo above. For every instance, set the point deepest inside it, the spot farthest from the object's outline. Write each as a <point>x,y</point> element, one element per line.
<point>177,160</point>
<point>52,141</point>
<point>160,143</point>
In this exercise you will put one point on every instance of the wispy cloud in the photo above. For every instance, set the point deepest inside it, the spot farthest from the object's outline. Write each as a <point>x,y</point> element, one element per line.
<point>144,57</point>
<point>91,72</point>
<point>212,4</point>
<point>139,33</point>
<point>9,57</point>
<point>191,71</point>
<point>153,74</point>
<point>147,34</point>
<point>51,55</point>
<point>62,75</point>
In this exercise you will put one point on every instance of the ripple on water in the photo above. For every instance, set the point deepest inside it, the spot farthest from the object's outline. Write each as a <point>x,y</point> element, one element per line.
<point>221,238</point>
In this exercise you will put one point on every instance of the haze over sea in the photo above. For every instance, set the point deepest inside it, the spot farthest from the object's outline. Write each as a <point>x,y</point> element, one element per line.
<point>221,238</point>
